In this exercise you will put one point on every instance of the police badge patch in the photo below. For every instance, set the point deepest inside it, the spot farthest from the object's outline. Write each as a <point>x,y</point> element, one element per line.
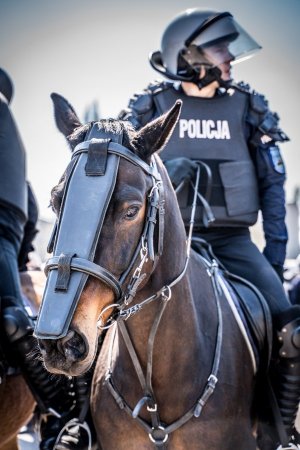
<point>276,159</point>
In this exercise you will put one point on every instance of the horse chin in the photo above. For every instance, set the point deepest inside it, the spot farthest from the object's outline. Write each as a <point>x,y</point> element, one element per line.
<point>60,365</point>
<point>71,355</point>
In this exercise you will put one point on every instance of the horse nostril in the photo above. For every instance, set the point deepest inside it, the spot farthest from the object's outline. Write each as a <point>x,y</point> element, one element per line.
<point>72,346</point>
<point>61,342</point>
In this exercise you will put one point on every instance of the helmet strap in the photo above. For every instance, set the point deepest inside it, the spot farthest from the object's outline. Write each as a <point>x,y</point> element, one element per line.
<point>211,74</point>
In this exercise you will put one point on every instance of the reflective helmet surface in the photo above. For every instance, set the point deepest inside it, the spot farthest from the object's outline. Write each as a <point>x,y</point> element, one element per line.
<point>189,37</point>
<point>6,85</point>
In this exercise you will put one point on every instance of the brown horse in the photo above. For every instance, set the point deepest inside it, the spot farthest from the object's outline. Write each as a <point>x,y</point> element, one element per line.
<point>175,370</point>
<point>16,401</point>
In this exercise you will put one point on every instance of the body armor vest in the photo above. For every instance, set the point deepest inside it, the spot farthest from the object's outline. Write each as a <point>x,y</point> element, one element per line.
<point>212,130</point>
<point>13,189</point>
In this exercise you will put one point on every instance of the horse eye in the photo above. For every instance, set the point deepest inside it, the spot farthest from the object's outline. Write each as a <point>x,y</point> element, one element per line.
<point>131,212</point>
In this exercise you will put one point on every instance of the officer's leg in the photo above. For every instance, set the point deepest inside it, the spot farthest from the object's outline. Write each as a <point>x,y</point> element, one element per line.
<point>285,366</point>
<point>240,256</point>
<point>56,399</point>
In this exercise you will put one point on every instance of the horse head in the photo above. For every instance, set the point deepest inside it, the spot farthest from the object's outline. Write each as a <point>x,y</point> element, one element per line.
<point>107,203</point>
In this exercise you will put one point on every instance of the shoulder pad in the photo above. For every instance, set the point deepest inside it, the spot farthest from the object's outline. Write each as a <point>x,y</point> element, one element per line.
<point>241,86</point>
<point>142,102</point>
<point>141,108</point>
<point>159,86</point>
<point>258,102</point>
<point>265,123</point>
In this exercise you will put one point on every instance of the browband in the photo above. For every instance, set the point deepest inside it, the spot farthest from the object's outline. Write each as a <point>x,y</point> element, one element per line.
<point>119,150</point>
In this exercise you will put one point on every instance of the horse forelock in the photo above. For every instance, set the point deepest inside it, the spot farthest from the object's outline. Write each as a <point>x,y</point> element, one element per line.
<point>79,135</point>
<point>111,126</point>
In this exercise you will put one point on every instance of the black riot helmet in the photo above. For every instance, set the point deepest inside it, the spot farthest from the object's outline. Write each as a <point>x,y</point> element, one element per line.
<point>188,38</point>
<point>6,85</point>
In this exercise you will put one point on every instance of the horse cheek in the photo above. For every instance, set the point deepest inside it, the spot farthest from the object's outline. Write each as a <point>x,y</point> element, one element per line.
<point>93,300</point>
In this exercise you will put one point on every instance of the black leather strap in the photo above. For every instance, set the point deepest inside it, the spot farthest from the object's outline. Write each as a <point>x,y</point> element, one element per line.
<point>120,150</point>
<point>97,157</point>
<point>63,272</point>
<point>89,268</point>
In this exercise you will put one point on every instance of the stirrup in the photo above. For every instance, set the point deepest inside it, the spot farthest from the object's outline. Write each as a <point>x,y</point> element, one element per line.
<point>75,422</point>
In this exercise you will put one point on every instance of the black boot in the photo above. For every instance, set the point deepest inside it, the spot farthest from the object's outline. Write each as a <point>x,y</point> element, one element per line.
<point>55,396</point>
<point>285,371</point>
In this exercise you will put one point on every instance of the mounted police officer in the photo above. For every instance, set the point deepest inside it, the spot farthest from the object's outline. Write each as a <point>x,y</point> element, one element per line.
<point>231,129</point>
<point>18,217</point>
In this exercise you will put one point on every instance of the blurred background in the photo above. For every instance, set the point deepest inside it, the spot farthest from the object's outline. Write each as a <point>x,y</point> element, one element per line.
<point>95,53</point>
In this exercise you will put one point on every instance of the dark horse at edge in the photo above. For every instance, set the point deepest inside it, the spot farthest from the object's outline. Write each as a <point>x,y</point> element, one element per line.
<point>16,401</point>
<point>177,373</point>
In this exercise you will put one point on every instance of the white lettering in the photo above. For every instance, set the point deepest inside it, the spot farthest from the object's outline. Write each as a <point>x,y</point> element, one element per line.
<point>200,130</point>
<point>183,126</point>
<point>210,125</point>
<point>192,129</point>
<point>225,130</point>
<point>204,129</point>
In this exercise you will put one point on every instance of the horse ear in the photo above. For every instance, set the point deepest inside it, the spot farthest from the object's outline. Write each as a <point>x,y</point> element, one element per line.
<point>155,135</point>
<point>65,116</point>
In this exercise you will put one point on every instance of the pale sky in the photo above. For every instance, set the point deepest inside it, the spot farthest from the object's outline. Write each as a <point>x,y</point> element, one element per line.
<point>93,50</point>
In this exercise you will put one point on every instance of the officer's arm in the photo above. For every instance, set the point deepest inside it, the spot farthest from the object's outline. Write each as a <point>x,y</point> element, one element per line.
<point>271,175</point>
<point>264,140</point>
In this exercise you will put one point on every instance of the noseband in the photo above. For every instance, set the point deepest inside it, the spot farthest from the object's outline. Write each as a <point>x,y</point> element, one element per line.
<point>89,188</point>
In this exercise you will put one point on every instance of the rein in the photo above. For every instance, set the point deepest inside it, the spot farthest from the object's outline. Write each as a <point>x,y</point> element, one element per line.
<point>157,431</point>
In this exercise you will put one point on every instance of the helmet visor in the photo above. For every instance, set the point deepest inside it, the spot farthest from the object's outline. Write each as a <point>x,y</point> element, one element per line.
<point>222,41</point>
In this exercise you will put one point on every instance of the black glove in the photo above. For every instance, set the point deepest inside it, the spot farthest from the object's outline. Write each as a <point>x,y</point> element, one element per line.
<point>279,270</point>
<point>180,169</point>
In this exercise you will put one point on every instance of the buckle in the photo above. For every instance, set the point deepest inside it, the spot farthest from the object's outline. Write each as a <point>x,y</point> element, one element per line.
<point>154,409</point>
<point>158,436</point>
<point>212,380</point>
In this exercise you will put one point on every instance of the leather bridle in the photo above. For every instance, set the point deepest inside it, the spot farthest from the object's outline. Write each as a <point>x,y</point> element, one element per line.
<point>67,264</point>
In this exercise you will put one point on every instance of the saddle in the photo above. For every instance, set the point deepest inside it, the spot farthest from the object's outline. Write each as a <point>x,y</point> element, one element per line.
<point>252,308</point>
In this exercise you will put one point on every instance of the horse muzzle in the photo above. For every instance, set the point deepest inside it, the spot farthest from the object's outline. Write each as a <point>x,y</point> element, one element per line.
<point>66,355</point>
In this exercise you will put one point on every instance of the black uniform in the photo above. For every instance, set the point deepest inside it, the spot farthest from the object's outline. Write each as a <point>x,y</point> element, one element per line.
<point>15,215</point>
<point>236,135</point>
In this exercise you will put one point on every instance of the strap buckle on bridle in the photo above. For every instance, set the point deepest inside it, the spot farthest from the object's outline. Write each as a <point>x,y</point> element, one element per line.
<point>158,436</point>
<point>126,313</point>
<point>166,293</point>
<point>137,276</point>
